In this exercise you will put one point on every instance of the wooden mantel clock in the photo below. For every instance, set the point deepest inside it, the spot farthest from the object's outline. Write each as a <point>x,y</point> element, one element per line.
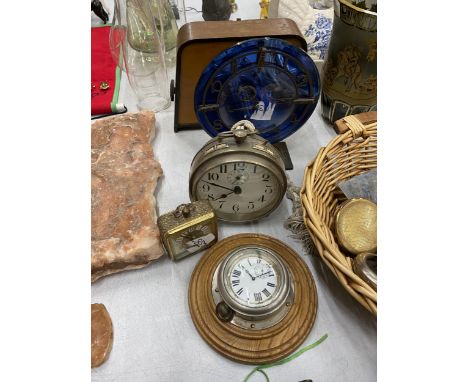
<point>252,298</point>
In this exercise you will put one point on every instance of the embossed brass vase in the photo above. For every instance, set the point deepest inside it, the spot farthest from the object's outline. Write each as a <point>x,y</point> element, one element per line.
<point>350,71</point>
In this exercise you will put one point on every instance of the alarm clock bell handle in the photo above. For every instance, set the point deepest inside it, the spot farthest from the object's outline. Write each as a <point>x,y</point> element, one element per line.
<point>244,125</point>
<point>242,129</point>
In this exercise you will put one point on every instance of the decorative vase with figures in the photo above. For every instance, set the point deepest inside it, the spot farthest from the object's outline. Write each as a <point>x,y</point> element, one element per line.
<point>350,72</point>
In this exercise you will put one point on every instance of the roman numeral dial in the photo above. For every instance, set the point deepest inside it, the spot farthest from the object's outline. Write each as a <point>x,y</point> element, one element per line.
<point>253,280</point>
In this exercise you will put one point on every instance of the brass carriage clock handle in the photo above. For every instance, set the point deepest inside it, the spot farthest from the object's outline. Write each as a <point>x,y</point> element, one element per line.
<point>184,210</point>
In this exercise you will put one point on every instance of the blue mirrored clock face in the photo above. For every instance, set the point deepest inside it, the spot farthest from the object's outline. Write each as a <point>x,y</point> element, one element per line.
<point>267,81</point>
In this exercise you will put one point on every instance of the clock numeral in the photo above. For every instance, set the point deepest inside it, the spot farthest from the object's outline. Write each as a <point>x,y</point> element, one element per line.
<point>211,197</point>
<point>271,275</point>
<point>266,177</point>
<point>221,202</point>
<point>234,66</point>
<point>213,176</point>
<point>236,208</point>
<point>223,168</point>
<point>262,198</point>
<point>206,187</point>
<point>235,282</point>
<point>240,166</point>
<point>239,292</point>
<point>301,80</point>
<point>271,285</point>
<point>216,86</point>
<point>236,273</point>
<point>261,57</point>
<point>259,260</point>
<point>266,293</point>
<point>258,296</point>
<point>268,189</point>
<point>255,169</point>
<point>251,206</point>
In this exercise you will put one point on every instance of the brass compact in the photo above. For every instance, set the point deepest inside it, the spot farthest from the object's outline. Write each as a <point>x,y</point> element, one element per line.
<point>189,229</point>
<point>241,174</point>
<point>356,226</point>
<point>252,298</point>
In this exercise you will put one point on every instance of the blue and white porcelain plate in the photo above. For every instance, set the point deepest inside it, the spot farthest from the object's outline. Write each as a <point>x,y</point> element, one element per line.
<point>267,81</point>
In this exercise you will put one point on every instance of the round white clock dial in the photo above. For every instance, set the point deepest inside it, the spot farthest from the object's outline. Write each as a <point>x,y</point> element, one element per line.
<point>253,280</point>
<point>237,188</point>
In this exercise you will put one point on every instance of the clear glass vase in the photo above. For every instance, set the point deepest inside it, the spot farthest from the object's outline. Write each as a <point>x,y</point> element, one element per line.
<point>138,48</point>
<point>166,24</point>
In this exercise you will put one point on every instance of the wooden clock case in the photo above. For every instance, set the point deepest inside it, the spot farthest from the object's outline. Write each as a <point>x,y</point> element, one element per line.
<point>199,42</point>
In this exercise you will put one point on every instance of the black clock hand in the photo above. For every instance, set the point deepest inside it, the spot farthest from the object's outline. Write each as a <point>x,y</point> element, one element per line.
<point>253,278</point>
<point>243,108</point>
<point>265,273</point>
<point>299,101</point>
<point>217,185</point>
<point>224,195</point>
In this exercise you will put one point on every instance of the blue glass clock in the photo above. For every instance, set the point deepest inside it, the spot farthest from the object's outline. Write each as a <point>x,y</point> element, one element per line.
<point>267,81</point>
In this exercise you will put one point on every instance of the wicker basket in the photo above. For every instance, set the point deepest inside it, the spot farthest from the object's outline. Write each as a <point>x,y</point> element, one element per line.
<point>351,153</point>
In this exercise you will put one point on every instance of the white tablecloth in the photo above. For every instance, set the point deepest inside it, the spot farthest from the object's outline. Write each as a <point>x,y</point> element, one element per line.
<point>154,336</point>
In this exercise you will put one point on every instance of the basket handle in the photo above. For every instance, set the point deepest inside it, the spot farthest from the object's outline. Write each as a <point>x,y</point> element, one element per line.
<point>356,123</point>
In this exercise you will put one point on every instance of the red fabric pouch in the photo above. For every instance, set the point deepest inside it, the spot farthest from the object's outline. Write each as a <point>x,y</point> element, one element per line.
<point>105,74</point>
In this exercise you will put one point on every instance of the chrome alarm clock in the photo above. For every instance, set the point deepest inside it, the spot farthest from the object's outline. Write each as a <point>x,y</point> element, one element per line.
<point>240,173</point>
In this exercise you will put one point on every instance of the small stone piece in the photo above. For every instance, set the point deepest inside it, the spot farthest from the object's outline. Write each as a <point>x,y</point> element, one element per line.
<point>101,334</point>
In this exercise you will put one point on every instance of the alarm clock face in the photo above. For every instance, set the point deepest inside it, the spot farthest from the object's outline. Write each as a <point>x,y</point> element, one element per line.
<point>267,81</point>
<point>239,191</point>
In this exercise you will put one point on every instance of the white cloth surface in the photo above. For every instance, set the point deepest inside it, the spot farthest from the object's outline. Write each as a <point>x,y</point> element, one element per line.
<point>154,336</point>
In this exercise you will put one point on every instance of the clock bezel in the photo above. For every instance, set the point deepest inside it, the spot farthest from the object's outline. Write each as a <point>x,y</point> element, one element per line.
<point>268,307</point>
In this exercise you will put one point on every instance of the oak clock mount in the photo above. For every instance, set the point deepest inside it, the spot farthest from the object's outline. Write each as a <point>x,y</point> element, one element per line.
<point>252,298</point>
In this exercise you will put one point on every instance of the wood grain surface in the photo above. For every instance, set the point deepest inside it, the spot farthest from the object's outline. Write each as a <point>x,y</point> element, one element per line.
<point>253,346</point>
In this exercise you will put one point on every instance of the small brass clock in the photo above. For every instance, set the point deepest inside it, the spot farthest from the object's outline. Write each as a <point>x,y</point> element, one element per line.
<point>189,229</point>
<point>252,298</point>
<point>240,173</point>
